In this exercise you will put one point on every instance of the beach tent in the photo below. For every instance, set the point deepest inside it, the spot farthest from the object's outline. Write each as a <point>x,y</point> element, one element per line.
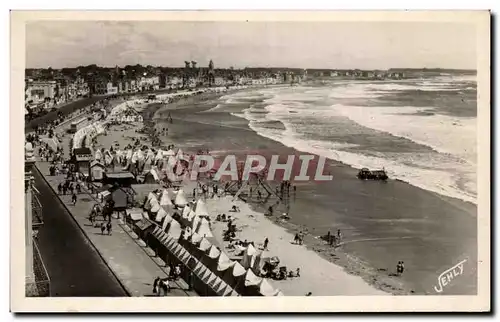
<point>160,214</point>
<point>175,229</point>
<point>147,204</point>
<point>248,259</point>
<point>168,219</point>
<point>108,158</point>
<point>224,262</point>
<point>251,279</point>
<point>134,158</point>
<point>195,223</point>
<point>204,228</point>
<point>172,194</point>
<point>214,252</point>
<point>147,166</point>
<point>159,155</point>
<point>165,199</point>
<point>191,216</point>
<point>129,154</point>
<point>180,199</point>
<point>155,206</point>
<point>204,244</point>
<point>267,289</point>
<point>238,269</point>
<point>196,238</point>
<point>186,211</point>
<point>150,154</point>
<point>140,155</point>
<point>201,208</point>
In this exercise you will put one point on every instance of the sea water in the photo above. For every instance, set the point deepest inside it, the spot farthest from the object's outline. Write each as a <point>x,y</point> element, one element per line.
<point>422,131</point>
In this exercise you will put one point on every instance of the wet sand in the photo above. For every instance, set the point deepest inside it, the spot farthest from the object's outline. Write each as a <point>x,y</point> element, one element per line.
<point>382,223</point>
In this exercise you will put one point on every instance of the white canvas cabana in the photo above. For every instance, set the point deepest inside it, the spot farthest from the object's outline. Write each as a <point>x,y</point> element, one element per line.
<point>160,214</point>
<point>180,199</point>
<point>214,252</point>
<point>251,279</point>
<point>165,199</point>
<point>201,208</point>
<point>98,155</point>
<point>185,212</point>
<point>168,219</point>
<point>155,205</point>
<point>267,289</point>
<point>175,229</point>
<point>196,238</point>
<point>224,262</point>
<point>204,228</point>
<point>191,216</point>
<point>204,245</point>
<point>172,194</point>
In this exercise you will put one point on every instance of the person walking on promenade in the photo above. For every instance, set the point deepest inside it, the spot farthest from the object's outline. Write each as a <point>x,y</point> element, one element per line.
<point>64,189</point>
<point>103,228</point>
<point>109,227</point>
<point>266,243</point>
<point>59,188</point>
<point>78,188</point>
<point>73,199</point>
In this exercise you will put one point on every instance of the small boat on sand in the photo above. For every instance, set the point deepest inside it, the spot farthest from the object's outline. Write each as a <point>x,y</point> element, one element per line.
<point>367,174</point>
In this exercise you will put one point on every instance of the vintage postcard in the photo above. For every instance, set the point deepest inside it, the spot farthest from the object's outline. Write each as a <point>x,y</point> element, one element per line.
<point>250,161</point>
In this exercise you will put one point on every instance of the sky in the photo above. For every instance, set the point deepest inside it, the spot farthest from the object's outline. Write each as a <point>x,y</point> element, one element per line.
<point>341,45</point>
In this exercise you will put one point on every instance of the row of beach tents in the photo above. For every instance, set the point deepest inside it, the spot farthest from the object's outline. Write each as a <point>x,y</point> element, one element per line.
<point>88,133</point>
<point>191,239</point>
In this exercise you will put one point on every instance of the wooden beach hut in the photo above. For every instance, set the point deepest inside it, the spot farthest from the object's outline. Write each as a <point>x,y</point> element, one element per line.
<point>97,170</point>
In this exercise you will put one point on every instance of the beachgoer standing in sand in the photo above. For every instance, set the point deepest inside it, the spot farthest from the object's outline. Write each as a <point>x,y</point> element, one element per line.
<point>266,243</point>
<point>155,285</point>
<point>400,268</point>
<point>339,236</point>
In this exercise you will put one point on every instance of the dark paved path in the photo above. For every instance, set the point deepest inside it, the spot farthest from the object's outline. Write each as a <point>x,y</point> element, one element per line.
<point>74,267</point>
<point>65,110</point>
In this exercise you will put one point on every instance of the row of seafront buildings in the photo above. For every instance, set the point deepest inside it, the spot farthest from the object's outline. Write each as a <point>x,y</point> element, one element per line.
<point>359,74</point>
<point>47,88</point>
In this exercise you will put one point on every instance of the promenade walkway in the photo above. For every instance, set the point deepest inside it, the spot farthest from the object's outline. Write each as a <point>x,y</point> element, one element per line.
<point>133,263</point>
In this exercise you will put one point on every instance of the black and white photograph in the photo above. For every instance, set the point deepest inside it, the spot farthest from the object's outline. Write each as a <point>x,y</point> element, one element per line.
<point>252,155</point>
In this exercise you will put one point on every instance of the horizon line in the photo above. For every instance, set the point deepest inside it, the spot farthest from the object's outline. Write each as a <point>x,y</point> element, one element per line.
<point>261,67</point>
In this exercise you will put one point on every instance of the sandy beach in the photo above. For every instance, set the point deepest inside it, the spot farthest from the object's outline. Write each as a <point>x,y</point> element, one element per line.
<point>382,223</point>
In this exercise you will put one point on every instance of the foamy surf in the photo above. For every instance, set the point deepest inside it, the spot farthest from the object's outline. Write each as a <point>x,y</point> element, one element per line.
<point>449,170</point>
